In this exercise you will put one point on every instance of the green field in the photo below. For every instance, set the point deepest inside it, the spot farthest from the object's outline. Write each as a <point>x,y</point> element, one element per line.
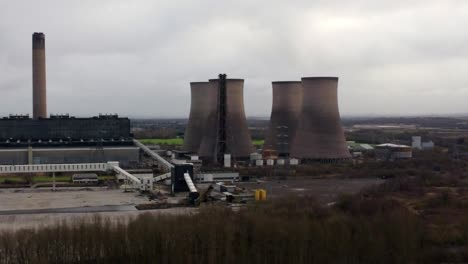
<point>179,141</point>
<point>162,141</point>
<point>258,142</point>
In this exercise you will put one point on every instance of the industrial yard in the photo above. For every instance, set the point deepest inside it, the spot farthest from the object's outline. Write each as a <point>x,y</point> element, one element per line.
<point>26,199</point>
<point>33,208</point>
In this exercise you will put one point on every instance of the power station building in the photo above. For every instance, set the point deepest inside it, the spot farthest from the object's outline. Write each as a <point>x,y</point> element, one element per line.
<point>62,138</point>
<point>64,128</point>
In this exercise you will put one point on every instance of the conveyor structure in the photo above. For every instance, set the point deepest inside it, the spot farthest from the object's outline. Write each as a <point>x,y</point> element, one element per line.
<point>82,167</point>
<point>172,170</point>
<point>166,165</point>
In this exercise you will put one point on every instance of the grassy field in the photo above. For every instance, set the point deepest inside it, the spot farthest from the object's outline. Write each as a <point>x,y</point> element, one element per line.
<point>179,141</point>
<point>162,141</point>
<point>258,142</point>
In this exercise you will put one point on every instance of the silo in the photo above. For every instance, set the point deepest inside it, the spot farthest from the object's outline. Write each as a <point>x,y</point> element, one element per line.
<point>287,103</point>
<point>203,102</point>
<point>319,134</point>
<point>39,76</point>
<point>227,130</point>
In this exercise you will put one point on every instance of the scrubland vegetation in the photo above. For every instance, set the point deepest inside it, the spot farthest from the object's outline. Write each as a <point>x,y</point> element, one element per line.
<point>417,219</point>
<point>295,230</point>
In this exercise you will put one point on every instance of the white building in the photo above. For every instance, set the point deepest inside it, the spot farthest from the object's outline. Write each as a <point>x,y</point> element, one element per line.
<point>416,142</point>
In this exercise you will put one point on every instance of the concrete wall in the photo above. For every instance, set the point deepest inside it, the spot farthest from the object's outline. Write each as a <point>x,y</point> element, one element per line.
<point>124,155</point>
<point>13,156</point>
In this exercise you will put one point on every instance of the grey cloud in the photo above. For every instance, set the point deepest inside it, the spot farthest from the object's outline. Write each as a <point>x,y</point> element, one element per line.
<point>137,58</point>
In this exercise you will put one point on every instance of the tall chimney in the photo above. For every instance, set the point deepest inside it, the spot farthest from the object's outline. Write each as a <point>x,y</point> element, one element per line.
<point>39,76</point>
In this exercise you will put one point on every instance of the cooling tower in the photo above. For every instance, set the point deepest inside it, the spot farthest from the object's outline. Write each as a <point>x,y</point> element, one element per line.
<point>287,102</point>
<point>39,76</point>
<point>203,102</point>
<point>319,134</point>
<point>227,130</point>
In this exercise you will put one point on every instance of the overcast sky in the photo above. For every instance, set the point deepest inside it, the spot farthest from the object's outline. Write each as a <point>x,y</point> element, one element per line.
<point>136,58</point>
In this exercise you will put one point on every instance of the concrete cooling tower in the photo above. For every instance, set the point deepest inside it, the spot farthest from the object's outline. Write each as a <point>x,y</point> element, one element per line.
<point>319,134</point>
<point>287,105</point>
<point>227,130</point>
<point>203,102</point>
<point>39,76</point>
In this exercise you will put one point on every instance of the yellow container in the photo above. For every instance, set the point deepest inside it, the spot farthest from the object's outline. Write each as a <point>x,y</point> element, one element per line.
<point>258,195</point>
<point>263,194</point>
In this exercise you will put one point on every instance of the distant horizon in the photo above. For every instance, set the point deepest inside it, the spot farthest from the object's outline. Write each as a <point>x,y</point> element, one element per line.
<point>453,115</point>
<point>342,116</point>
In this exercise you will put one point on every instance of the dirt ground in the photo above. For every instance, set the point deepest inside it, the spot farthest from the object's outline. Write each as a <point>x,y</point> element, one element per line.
<point>324,190</point>
<point>20,199</point>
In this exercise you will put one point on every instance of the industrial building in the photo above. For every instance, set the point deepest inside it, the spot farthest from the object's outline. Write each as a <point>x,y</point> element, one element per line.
<point>203,102</point>
<point>319,135</point>
<point>416,143</point>
<point>391,152</point>
<point>63,127</point>
<point>286,108</point>
<point>225,128</point>
<point>62,138</point>
<point>86,178</point>
<point>126,155</point>
<point>305,124</point>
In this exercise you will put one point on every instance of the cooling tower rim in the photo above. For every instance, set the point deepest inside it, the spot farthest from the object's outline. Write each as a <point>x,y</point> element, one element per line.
<point>320,78</point>
<point>199,82</point>
<point>214,80</point>
<point>286,82</point>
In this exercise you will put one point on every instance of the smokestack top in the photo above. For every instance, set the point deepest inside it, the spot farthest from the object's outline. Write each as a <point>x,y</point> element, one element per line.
<point>320,78</point>
<point>286,82</point>
<point>38,40</point>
